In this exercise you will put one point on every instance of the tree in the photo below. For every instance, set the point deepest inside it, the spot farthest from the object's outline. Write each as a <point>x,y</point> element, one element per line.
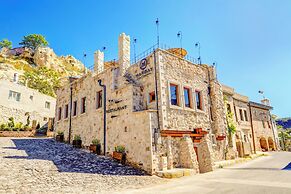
<point>5,43</point>
<point>45,80</point>
<point>33,41</point>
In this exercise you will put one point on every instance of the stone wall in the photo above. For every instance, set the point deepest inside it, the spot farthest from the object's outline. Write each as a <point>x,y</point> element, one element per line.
<point>30,133</point>
<point>263,126</point>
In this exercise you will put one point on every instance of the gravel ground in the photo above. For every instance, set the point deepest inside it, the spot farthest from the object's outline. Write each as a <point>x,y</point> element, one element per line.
<point>41,165</point>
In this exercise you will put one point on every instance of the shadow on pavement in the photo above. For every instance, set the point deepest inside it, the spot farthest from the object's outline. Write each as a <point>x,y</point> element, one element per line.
<point>288,167</point>
<point>69,159</point>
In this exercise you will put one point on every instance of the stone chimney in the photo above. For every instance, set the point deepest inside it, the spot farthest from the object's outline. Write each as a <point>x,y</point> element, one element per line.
<point>265,101</point>
<point>98,62</point>
<point>15,78</point>
<point>123,52</point>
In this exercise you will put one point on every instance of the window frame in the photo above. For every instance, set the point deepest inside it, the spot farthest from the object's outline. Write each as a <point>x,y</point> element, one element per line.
<point>178,104</point>
<point>190,97</point>
<point>60,113</point>
<point>241,114</point>
<point>200,107</point>
<point>66,111</point>
<point>246,115</point>
<point>75,106</point>
<point>47,103</point>
<point>152,96</point>
<point>83,105</point>
<point>15,96</point>
<point>99,98</point>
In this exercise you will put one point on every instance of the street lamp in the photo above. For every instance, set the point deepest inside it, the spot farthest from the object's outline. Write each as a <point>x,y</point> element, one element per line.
<point>179,35</point>
<point>197,45</point>
<point>134,53</point>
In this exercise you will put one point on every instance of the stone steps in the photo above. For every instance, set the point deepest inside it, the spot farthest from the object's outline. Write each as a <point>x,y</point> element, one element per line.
<point>176,173</point>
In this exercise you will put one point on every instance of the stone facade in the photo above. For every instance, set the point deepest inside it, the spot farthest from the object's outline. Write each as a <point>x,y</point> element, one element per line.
<point>264,136</point>
<point>248,118</point>
<point>166,111</point>
<point>39,106</point>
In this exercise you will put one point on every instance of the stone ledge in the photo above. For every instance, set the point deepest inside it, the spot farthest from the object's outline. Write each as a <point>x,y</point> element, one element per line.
<point>176,173</point>
<point>17,133</point>
<point>224,163</point>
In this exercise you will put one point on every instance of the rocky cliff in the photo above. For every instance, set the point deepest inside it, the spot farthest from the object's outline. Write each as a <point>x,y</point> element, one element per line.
<point>24,60</point>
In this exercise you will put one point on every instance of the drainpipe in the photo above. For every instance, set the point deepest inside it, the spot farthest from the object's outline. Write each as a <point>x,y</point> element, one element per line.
<point>104,114</point>
<point>70,120</point>
<point>253,135</point>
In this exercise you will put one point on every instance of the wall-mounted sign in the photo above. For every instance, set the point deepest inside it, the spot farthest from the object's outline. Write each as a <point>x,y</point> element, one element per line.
<point>145,70</point>
<point>116,109</point>
<point>143,64</point>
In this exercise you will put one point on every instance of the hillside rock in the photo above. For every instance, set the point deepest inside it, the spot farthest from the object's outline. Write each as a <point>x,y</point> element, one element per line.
<point>45,56</point>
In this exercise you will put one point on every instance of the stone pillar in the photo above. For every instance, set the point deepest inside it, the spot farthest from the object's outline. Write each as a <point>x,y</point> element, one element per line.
<point>123,53</point>
<point>98,62</point>
<point>169,153</point>
<point>188,158</point>
<point>163,163</point>
<point>205,155</point>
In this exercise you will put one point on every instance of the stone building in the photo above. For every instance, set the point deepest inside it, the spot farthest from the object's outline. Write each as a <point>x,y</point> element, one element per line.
<point>165,110</point>
<point>264,131</point>
<point>17,100</point>
<point>254,125</point>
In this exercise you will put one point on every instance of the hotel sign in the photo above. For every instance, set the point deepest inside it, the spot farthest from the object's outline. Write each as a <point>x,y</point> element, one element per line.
<point>145,70</point>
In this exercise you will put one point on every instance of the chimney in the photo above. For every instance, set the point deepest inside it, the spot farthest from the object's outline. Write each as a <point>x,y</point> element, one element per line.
<point>98,62</point>
<point>265,101</point>
<point>123,52</point>
<point>15,78</point>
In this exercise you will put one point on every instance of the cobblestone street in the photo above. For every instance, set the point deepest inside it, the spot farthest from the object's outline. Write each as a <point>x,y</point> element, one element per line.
<point>40,165</point>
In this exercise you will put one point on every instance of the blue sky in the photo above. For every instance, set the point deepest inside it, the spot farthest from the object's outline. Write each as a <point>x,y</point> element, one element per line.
<point>250,40</point>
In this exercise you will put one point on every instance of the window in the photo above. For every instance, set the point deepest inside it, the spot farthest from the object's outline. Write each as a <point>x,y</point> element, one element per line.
<point>75,108</point>
<point>152,97</point>
<point>174,92</point>
<point>187,98</point>
<point>60,113</point>
<point>31,98</point>
<point>198,100</point>
<point>47,105</point>
<point>83,105</point>
<point>228,109</point>
<point>270,124</point>
<point>246,115</point>
<point>14,95</point>
<point>99,99</point>
<point>66,111</point>
<point>241,114</point>
<point>44,118</point>
<point>263,122</point>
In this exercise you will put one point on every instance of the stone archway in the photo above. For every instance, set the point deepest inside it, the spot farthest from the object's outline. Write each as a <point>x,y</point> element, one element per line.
<point>271,144</point>
<point>264,144</point>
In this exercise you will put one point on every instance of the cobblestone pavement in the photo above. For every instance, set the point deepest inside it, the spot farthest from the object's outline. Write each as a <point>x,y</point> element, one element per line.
<point>41,165</point>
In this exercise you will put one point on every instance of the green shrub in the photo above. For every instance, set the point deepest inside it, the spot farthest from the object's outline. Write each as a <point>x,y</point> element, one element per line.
<point>96,142</point>
<point>77,137</point>
<point>120,149</point>
<point>60,133</point>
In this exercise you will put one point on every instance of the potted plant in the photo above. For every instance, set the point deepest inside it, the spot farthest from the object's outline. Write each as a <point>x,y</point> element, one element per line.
<point>60,136</point>
<point>119,154</point>
<point>77,142</point>
<point>95,147</point>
